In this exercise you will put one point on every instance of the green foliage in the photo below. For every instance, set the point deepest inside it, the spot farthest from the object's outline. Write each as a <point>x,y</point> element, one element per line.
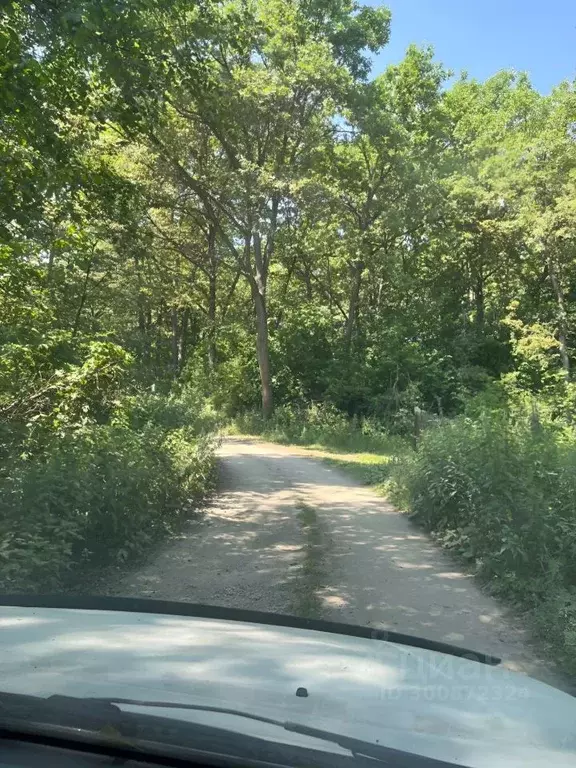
<point>322,425</point>
<point>316,423</point>
<point>536,355</point>
<point>56,386</point>
<point>99,495</point>
<point>499,488</point>
<point>185,409</point>
<point>208,207</point>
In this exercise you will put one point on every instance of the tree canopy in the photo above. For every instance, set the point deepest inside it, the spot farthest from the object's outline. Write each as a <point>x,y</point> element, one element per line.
<point>222,190</point>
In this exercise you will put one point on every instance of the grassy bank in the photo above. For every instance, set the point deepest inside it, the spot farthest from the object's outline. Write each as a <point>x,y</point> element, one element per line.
<point>496,487</point>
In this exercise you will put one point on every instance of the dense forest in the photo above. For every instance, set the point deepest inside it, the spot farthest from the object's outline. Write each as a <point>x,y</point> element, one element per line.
<point>213,209</point>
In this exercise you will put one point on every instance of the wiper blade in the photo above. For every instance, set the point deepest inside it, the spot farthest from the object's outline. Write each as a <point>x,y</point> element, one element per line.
<point>102,728</point>
<point>388,755</point>
<point>102,720</point>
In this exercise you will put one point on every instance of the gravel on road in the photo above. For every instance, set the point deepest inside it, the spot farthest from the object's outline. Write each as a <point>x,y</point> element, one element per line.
<point>289,534</point>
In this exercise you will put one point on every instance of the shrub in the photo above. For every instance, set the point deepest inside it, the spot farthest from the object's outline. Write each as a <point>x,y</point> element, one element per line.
<point>98,495</point>
<point>184,409</point>
<point>92,470</point>
<point>499,488</point>
<point>320,424</point>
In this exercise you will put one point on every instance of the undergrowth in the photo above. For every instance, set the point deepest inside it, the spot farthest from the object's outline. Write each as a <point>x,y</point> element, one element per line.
<point>498,488</point>
<point>321,425</point>
<point>94,471</point>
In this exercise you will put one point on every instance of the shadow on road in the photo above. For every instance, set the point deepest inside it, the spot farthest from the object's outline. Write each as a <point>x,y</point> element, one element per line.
<point>288,534</point>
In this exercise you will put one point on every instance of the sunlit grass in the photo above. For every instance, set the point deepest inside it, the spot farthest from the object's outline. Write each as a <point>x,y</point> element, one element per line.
<point>366,456</point>
<point>370,468</point>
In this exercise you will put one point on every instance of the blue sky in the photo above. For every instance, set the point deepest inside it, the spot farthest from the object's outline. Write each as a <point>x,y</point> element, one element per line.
<point>484,36</point>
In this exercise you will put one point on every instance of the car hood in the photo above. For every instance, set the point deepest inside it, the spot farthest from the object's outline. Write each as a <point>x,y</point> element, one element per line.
<point>407,698</point>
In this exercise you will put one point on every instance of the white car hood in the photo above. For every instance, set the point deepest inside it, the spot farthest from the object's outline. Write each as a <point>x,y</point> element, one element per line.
<point>420,701</point>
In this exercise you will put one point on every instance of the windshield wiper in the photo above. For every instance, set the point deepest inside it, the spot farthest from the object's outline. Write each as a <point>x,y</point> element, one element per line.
<point>101,722</point>
<point>358,747</point>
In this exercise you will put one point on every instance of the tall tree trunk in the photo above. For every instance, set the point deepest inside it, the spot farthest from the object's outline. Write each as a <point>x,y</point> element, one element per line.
<point>562,316</point>
<point>262,350</point>
<point>212,299</point>
<point>258,286</point>
<point>356,270</point>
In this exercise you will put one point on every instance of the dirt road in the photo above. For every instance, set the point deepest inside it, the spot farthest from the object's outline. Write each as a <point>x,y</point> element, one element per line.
<point>289,534</point>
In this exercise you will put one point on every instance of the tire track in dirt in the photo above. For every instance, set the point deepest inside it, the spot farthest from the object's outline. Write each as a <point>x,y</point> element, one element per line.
<point>288,534</point>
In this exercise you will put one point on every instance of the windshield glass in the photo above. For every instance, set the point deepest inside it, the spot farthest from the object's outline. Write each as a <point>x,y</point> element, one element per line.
<point>287,329</point>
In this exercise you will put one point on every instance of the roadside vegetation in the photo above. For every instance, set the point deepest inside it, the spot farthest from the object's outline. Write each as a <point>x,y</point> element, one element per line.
<point>498,487</point>
<point>94,469</point>
<point>495,486</point>
<point>215,213</point>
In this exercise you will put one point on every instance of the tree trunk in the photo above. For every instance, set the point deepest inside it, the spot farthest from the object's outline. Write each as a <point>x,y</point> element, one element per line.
<point>262,351</point>
<point>212,299</point>
<point>258,286</point>
<point>562,317</point>
<point>356,270</point>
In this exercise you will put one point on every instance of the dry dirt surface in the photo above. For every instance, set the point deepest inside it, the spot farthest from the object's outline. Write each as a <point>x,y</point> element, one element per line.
<point>289,534</point>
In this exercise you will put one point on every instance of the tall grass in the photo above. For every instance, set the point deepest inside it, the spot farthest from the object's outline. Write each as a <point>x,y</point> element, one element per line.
<point>320,425</point>
<point>100,494</point>
<point>499,489</point>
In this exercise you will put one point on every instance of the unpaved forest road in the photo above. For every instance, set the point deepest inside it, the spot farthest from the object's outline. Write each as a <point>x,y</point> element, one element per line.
<point>289,534</point>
